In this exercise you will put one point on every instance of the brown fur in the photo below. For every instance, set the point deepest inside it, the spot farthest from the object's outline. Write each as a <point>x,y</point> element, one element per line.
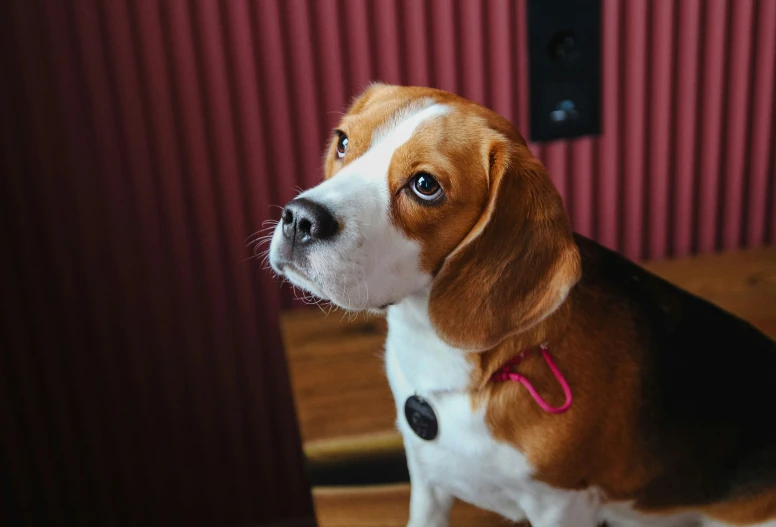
<point>596,443</point>
<point>486,289</point>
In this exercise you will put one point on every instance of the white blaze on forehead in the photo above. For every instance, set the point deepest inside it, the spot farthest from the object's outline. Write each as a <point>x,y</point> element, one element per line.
<point>406,120</point>
<point>376,161</point>
<point>371,169</point>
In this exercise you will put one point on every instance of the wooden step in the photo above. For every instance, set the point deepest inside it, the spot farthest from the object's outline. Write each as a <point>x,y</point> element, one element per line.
<point>337,377</point>
<point>387,506</point>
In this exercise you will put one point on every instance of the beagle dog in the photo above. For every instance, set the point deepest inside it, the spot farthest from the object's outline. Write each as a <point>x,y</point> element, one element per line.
<point>536,373</point>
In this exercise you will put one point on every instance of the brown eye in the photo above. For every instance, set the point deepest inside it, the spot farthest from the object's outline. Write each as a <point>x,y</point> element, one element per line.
<point>425,186</point>
<point>342,144</point>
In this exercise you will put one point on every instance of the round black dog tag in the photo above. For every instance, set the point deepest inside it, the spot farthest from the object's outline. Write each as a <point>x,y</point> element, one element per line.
<point>421,418</point>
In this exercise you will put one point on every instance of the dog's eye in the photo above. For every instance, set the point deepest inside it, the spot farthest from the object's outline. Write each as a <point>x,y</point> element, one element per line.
<point>425,186</point>
<point>342,144</point>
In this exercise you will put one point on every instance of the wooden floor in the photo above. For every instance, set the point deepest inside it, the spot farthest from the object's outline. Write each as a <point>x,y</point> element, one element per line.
<point>387,506</point>
<point>345,408</point>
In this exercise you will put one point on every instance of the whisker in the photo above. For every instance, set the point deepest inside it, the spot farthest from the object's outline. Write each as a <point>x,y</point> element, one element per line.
<point>256,255</point>
<point>256,251</point>
<point>261,240</point>
<point>366,287</point>
<point>253,236</point>
<point>264,238</point>
<point>265,227</point>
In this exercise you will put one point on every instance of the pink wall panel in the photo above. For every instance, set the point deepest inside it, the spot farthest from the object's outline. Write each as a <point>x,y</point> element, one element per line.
<point>686,127</point>
<point>760,194</point>
<point>661,105</point>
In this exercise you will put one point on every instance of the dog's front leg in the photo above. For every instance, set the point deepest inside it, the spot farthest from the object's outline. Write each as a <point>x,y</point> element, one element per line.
<point>429,505</point>
<point>558,508</point>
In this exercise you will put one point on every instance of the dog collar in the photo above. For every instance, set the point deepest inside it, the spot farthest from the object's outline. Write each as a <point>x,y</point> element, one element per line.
<point>423,421</point>
<point>508,372</point>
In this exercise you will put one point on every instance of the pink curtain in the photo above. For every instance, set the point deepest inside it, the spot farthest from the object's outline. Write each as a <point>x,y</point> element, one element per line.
<point>142,378</point>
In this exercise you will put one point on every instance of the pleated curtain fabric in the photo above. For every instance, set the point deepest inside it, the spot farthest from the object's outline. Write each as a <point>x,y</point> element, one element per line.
<point>142,376</point>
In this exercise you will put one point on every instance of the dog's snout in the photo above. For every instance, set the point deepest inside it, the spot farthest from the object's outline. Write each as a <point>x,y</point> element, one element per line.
<point>306,221</point>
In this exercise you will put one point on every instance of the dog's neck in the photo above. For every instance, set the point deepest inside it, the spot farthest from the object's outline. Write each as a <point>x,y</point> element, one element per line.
<point>435,365</point>
<point>427,363</point>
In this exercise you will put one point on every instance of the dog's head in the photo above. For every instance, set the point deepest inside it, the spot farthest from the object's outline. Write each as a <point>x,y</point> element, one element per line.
<point>424,189</point>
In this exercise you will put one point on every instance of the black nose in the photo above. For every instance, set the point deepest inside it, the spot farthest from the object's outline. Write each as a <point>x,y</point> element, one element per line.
<point>306,221</point>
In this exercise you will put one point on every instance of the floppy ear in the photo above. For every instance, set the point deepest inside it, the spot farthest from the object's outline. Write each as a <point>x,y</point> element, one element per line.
<point>517,264</point>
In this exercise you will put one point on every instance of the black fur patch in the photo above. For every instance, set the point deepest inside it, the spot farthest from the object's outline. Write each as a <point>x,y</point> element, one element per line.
<point>709,401</point>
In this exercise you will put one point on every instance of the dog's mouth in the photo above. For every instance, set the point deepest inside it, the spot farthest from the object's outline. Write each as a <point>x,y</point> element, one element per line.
<point>299,278</point>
